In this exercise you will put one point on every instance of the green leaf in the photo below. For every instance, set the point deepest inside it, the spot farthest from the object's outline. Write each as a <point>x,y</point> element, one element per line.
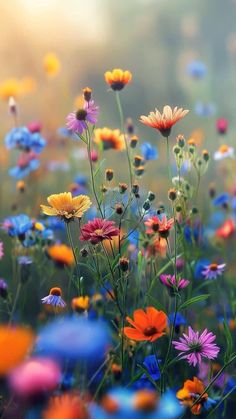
<point>99,167</point>
<point>229,342</point>
<point>193,300</point>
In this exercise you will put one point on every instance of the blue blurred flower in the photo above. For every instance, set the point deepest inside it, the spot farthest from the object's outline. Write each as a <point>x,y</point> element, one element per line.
<point>199,267</point>
<point>74,339</point>
<point>196,69</point>
<point>20,172</point>
<point>179,320</point>
<point>205,110</point>
<point>221,199</point>
<point>23,139</point>
<point>151,365</point>
<point>149,152</point>
<point>17,225</point>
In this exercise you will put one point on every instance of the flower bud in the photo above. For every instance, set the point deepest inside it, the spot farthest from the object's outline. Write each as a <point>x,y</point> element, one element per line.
<point>87,94</point>
<point>133,141</point>
<point>129,126</point>
<point>124,264</point>
<point>205,155</point>
<point>12,106</point>
<point>180,141</point>
<point>212,190</point>
<point>109,174</point>
<point>103,189</point>
<point>138,161</point>
<point>135,188</point>
<point>176,149</point>
<point>119,209</point>
<point>123,187</point>
<point>151,196</point>
<point>146,205</point>
<point>84,252</point>
<point>172,194</point>
<point>20,186</point>
<point>140,171</point>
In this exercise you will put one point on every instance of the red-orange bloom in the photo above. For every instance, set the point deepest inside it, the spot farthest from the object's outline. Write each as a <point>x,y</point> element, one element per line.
<point>190,392</point>
<point>159,224</point>
<point>118,78</point>
<point>164,122</point>
<point>147,325</point>
<point>226,230</point>
<point>67,406</point>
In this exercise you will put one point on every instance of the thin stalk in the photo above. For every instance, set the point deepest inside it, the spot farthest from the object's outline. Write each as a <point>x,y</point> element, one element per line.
<point>75,258</point>
<point>168,160</point>
<point>18,289</point>
<point>123,130</point>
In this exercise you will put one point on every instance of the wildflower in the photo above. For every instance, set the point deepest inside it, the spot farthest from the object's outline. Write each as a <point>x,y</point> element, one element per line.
<point>15,343</point>
<point>98,230</point>
<point>26,164</point>
<point>24,260</point>
<point>159,224</point>
<point>205,109</point>
<point>196,69</point>
<point>61,254</point>
<point>223,152</point>
<point>145,401</point>
<point>151,365</point>
<point>190,392</point>
<point>1,250</point>
<point>80,304</point>
<point>194,347</point>
<point>3,289</point>
<point>117,78</point>
<point>75,339</point>
<point>164,122</point>
<point>149,152</point>
<point>22,139</point>
<point>10,88</point>
<point>34,127</point>
<point>51,64</point>
<point>54,298</point>
<point>66,406</point>
<point>17,226</point>
<point>110,139</point>
<point>20,186</point>
<point>67,207</point>
<point>222,125</point>
<point>109,174</point>
<point>173,283</point>
<point>77,120</point>
<point>147,325</point>
<point>213,270</point>
<point>222,200</point>
<point>87,92</point>
<point>34,377</point>
<point>124,264</point>
<point>226,230</point>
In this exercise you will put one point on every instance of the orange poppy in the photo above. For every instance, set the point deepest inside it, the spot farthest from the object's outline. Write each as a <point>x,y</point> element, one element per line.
<point>147,325</point>
<point>190,392</point>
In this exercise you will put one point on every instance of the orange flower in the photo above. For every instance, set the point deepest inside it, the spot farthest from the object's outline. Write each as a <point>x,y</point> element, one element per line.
<point>15,343</point>
<point>149,325</point>
<point>61,254</point>
<point>66,206</point>
<point>67,406</point>
<point>110,139</point>
<point>190,392</point>
<point>164,122</point>
<point>80,304</point>
<point>10,88</point>
<point>117,78</point>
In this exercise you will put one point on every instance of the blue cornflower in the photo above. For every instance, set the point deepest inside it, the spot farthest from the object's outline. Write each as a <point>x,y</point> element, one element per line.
<point>179,320</point>
<point>151,365</point>
<point>221,199</point>
<point>17,225</point>
<point>149,152</point>
<point>74,339</point>
<point>199,267</point>
<point>205,110</point>
<point>81,180</point>
<point>20,171</point>
<point>54,223</point>
<point>196,69</point>
<point>23,139</point>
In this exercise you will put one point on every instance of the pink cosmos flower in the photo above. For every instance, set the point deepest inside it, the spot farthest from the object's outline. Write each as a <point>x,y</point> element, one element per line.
<point>173,283</point>
<point>1,250</point>
<point>213,270</point>
<point>35,376</point>
<point>97,230</point>
<point>195,346</point>
<point>77,120</point>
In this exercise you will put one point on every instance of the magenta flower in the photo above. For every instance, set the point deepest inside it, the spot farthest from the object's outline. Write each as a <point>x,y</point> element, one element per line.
<point>77,120</point>
<point>1,250</point>
<point>173,283</point>
<point>213,270</point>
<point>194,346</point>
<point>98,230</point>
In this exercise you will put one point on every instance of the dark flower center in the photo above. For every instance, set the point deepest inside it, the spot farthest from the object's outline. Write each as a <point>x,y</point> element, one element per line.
<point>150,330</point>
<point>81,114</point>
<point>155,226</point>
<point>195,347</point>
<point>213,267</point>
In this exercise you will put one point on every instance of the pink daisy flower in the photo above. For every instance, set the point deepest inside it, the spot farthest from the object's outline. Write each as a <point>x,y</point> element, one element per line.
<point>77,120</point>
<point>195,346</point>
<point>98,230</point>
<point>213,270</point>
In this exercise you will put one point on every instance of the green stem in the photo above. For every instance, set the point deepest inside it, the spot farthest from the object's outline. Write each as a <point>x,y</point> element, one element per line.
<point>168,160</point>
<point>123,130</point>
<point>75,259</point>
<point>15,302</point>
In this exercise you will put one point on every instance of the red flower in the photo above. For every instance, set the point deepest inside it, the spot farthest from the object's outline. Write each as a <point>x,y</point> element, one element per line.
<point>222,125</point>
<point>159,224</point>
<point>226,230</point>
<point>98,230</point>
<point>147,325</point>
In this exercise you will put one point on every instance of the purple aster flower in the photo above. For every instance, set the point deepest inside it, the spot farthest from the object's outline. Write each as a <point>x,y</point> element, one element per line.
<point>172,283</point>
<point>77,120</point>
<point>54,298</point>
<point>24,260</point>
<point>194,346</point>
<point>1,250</point>
<point>213,270</point>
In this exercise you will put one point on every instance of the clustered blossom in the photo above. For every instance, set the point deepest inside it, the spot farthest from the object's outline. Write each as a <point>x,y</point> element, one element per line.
<point>174,283</point>
<point>195,346</point>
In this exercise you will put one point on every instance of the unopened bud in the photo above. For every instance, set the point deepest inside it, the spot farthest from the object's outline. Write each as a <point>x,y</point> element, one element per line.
<point>20,186</point>
<point>180,141</point>
<point>124,264</point>
<point>133,141</point>
<point>123,187</point>
<point>84,252</point>
<point>119,209</point>
<point>172,194</point>
<point>138,161</point>
<point>205,155</point>
<point>146,205</point>
<point>109,174</point>
<point>87,94</point>
<point>135,188</point>
<point>151,196</point>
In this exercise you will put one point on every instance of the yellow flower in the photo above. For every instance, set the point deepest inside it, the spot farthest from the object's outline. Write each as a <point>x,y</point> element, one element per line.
<point>111,139</point>
<point>51,64</point>
<point>80,303</point>
<point>15,343</point>
<point>117,78</point>
<point>66,206</point>
<point>10,88</point>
